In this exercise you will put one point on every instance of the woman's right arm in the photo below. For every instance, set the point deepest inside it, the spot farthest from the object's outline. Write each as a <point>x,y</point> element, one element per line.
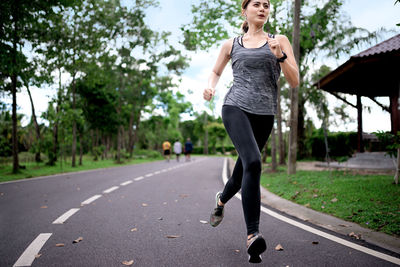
<point>222,60</point>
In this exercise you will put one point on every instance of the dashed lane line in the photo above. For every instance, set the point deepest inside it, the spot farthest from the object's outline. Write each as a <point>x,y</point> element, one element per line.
<point>28,256</point>
<point>65,216</point>
<point>126,183</point>
<point>109,190</point>
<point>139,178</point>
<point>150,174</point>
<point>90,200</point>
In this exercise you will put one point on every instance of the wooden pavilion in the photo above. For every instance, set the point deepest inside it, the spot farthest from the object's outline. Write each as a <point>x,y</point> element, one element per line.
<point>372,73</point>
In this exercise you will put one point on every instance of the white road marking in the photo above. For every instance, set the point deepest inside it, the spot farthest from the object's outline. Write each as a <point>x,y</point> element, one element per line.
<point>157,172</point>
<point>65,216</point>
<point>150,174</point>
<point>28,256</point>
<point>90,200</point>
<point>315,231</point>
<point>139,178</point>
<point>109,190</point>
<point>126,183</point>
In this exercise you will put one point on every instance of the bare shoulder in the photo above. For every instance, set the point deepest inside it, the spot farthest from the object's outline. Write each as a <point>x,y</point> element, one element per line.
<point>227,46</point>
<point>282,38</point>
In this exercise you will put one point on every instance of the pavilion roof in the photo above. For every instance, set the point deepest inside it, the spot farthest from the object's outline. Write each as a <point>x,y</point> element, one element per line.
<point>372,72</point>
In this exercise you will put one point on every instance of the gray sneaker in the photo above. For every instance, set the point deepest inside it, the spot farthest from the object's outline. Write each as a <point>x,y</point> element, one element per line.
<point>218,214</point>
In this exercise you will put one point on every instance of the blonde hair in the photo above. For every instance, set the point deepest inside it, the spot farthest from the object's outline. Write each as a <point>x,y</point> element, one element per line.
<point>245,24</point>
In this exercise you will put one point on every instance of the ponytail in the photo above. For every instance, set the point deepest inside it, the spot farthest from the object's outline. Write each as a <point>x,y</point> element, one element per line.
<point>245,26</point>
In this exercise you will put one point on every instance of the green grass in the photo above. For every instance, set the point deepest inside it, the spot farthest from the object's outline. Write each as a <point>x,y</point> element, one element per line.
<point>41,169</point>
<point>371,201</point>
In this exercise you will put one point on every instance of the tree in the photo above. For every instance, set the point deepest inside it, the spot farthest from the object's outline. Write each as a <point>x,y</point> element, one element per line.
<point>23,22</point>
<point>294,93</point>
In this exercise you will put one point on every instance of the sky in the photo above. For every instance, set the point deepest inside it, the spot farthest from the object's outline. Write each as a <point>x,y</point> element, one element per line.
<point>171,14</point>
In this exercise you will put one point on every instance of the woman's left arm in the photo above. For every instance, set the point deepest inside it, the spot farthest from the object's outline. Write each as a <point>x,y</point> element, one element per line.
<point>289,67</point>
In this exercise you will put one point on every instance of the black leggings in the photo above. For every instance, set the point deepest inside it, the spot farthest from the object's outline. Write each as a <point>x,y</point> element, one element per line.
<point>249,133</point>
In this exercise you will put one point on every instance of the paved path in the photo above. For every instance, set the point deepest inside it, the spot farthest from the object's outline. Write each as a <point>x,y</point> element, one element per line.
<point>152,214</point>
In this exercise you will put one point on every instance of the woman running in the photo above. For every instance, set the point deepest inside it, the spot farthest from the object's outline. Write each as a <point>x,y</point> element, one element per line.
<point>249,108</point>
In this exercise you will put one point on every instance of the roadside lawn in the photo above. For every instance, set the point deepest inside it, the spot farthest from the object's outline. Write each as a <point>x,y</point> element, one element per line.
<point>371,200</point>
<point>34,169</point>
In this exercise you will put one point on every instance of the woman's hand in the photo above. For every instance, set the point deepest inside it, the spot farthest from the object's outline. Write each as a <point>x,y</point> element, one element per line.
<point>275,46</point>
<point>208,93</point>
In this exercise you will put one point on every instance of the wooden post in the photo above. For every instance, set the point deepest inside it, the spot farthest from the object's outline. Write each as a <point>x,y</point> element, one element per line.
<point>395,112</point>
<point>360,146</point>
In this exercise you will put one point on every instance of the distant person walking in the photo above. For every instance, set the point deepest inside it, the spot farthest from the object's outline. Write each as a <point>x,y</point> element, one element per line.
<point>167,150</point>
<point>257,59</point>
<point>177,149</point>
<point>188,149</point>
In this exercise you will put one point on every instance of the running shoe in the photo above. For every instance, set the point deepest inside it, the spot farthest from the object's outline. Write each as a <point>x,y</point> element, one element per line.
<point>218,214</point>
<point>255,246</point>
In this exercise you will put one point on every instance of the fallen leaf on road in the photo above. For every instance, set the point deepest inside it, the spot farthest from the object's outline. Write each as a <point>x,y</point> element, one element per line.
<point>344,225</point>
<point>144,205</point>
<point>1,194</point>
<point>352,234</point>
<point>60,245</point>
<point>160,219</point>
<point>236,250</point>
<point>334,200</point>
<point>176,200</point>
<point>203,222</point>
<point>38,255</point>
<point>315,242</point>
<point>127,263</point>
<point>43,207</point>
<point>183,195</point>
<point>172,236</point>
<point>279,247</point>
<point>79,239</point>
<point>134,229</point>
<point>78,189</point>
<point>165,203</point>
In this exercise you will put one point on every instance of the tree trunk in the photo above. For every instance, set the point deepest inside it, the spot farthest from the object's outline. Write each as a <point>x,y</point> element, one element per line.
<point>274,166</point>
<point>205,149</point>
<point>38,137</point>
<point>130,133</point>
<point>135,135</point>
<point>396,177</point>
<point>281,145</point>
<point>265,153</point>
<point>294,93</point>
<point>301,147</point>
<point>14,90</point>
<point>73,149</point>
<point>119,141</point>
<point>80,148</point>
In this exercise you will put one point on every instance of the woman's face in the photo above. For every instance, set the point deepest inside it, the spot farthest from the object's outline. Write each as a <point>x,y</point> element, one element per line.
<point>257,11</point>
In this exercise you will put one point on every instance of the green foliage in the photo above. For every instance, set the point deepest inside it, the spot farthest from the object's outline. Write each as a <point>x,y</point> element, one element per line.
<point>389,141</point>
<point>369,200</point>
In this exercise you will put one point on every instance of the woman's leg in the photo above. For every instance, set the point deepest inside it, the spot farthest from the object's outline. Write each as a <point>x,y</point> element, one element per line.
<point>240,126</point>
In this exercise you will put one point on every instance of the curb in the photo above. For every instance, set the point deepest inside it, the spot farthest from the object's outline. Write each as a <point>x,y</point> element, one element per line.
<point>323,220</point>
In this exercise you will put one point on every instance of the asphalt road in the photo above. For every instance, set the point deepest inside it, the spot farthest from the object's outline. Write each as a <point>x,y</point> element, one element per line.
<point>153,214</point>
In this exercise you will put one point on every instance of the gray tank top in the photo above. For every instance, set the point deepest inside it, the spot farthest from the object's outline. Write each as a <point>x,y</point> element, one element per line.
<point>255,75</point>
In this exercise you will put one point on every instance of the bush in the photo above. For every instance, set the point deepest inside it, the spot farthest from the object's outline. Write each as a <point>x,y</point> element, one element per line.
<point>340,144</point>
<point>142,153</point>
